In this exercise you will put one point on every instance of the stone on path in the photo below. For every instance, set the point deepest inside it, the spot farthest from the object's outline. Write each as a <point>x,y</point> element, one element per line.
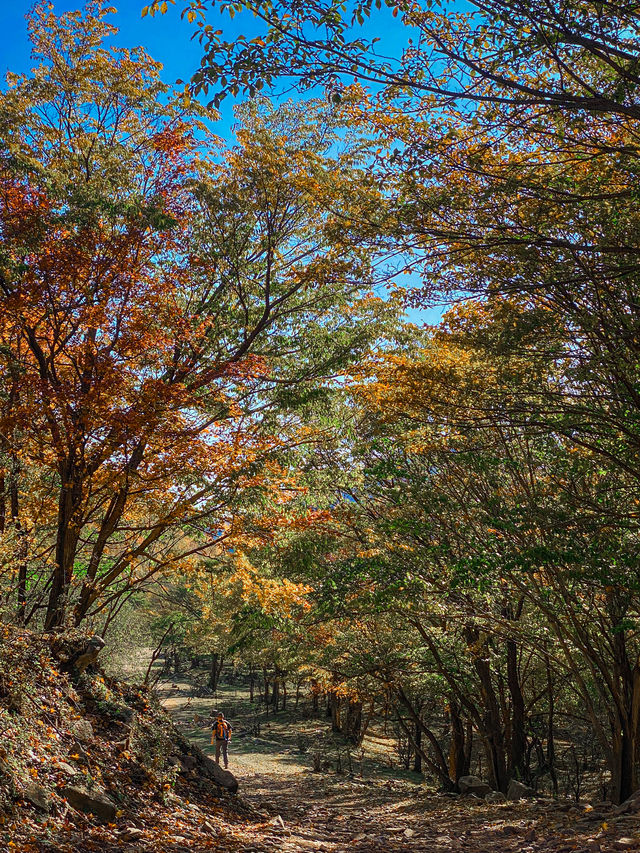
<point>473,785</point>
<point>518,791</point>
<point>495,797</point>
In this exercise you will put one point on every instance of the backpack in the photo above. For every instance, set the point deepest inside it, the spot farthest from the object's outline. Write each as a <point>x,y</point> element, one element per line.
<point>221,730</point>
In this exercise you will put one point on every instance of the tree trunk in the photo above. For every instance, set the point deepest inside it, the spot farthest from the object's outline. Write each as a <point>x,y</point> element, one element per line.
<point>438,769</point>
<point>438,764</point>
<point>458,765</point>
<point>551,749</point>
<point>68,528</point>
<point>417,739</point>
<point>623,778</point>
<point>492,730</point>
<point>518,745</point>
<point>21,550</point>
<point>626,719</point>
<point>213,672</point>
<point>3,502</point>
<point>334,708</point>
<point>468,747</point>
<point>352,725</point>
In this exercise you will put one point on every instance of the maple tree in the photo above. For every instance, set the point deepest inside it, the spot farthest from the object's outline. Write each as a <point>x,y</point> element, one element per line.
<point>158,291</point>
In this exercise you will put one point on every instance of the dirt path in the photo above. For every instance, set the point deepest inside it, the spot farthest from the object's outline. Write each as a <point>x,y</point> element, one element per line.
<point>296,809</point>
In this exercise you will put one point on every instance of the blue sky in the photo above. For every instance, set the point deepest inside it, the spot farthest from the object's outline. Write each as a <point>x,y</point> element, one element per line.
<point>167,38</point>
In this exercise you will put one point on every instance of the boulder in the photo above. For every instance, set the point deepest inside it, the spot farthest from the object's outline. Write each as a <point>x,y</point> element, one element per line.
<point>187,762</point>
<point>518,791</point>
<point>213,771</point>
<point>473,785</point>
<point>82,730</point>
<point>631,805</point>
<point>37,796</point>
<point>495,797</point>
<point>90,802</point>
<point>90,654</point>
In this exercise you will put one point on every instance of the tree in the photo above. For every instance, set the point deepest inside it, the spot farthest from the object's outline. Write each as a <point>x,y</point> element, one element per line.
<point>157,291</point>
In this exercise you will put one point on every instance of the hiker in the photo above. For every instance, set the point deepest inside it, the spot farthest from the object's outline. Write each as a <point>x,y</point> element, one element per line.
<point>221,733</point>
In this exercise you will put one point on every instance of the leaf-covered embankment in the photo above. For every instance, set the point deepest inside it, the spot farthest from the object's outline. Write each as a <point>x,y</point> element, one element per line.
<point>90,763</point>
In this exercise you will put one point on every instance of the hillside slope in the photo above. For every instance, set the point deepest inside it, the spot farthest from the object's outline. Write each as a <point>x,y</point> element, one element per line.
<point>89,763</point>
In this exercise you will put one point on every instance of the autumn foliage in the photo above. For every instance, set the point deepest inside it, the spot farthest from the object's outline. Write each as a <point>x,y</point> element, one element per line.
<point>212,409</point>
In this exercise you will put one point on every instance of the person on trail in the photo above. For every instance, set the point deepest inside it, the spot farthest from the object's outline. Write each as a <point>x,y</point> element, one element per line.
<point>221,735</point>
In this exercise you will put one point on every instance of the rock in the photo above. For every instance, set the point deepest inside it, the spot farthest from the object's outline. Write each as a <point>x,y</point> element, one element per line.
<point>626,844</point>
<point>630,805</point>
<point>517,791</point>
<point>409,833</point>
<point>473,785</point>
<point>37,796</point>
<point>495,797</point>
<point>82,730</point>
<point>188,762</point>
<point>209,827</point>
<point>566,803</point>
<point>130,833</point>
<point>213,771</point>
<point>90,654</point>
<point>94,802</point>
<point>67,769</point>
<point>509,829</point>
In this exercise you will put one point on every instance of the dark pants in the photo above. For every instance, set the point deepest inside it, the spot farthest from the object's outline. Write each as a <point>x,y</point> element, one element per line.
<point>221,745</point>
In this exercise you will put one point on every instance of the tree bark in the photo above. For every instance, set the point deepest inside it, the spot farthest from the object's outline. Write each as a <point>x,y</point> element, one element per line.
<point>518,745</point>
<point>352,725</point>
<point>492,731</point>
<point>417,739</point>
<point>213,672</point>
<point>69,504</point>
<point>334,708</point>
<point>458,765</point>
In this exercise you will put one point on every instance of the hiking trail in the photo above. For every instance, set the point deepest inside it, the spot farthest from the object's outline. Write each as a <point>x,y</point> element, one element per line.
<point>370,806</point>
